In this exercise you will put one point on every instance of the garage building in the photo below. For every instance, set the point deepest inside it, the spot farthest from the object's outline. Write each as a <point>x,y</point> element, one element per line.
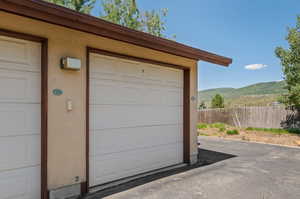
<point>85,103</point>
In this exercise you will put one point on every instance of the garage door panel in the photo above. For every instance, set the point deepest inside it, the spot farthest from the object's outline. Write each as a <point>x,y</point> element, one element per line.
<point>163,75</point>
<point>130,70</point>
<point>173,97</point>
<point>101,93</point>
<point>108,68</point>
<point>21,87</point>
<point>180,151</point>
<point>136,118</point>
<point>20,184</point>
<point>122,69</point>
<point>19,119</point>
<point>172,77</point>
<point>143,81</point>
<point>105,142</point>
<point>107,167</point>
<point>112,66</point>
<point>19,151</point>
<point>20,54</point>
<point>112,116</point>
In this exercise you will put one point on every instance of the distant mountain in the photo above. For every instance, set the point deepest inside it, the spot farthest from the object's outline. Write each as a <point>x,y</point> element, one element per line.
<point>263,93</point>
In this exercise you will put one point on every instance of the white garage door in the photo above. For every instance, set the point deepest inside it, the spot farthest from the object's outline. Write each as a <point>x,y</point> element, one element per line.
<point>136,118</point>
<point>20,101</point>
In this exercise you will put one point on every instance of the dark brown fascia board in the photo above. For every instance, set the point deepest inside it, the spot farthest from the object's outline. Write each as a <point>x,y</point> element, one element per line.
<point>54,14</point>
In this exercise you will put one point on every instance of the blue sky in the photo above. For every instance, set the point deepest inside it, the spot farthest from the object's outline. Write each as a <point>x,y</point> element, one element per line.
<point>245,30</point>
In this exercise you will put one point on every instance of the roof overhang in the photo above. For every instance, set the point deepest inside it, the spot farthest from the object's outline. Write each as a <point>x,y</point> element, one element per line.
<point>54,14</point>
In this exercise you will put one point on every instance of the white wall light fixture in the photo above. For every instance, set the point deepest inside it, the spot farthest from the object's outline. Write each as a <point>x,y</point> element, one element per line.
<point>69,63</point>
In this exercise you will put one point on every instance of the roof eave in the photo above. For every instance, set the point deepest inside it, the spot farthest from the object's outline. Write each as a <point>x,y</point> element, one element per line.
<point>58,15</point>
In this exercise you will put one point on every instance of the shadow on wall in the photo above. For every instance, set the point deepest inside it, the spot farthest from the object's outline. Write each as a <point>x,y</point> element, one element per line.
<point>206,157</point>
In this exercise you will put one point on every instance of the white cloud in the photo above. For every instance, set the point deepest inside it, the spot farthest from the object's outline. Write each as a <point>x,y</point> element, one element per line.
<point>255,66</point>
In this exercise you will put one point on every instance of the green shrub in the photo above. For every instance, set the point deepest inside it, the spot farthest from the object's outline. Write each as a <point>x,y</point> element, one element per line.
<point>222,129</point>
<point>294,131</point>
<point>232,132</point>
<point>201,126</point>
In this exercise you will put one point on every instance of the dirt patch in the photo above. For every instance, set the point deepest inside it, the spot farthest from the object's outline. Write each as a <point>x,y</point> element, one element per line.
<point>254,136</point>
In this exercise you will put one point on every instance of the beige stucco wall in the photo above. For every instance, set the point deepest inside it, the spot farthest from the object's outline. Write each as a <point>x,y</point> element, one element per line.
<point>66,130</point>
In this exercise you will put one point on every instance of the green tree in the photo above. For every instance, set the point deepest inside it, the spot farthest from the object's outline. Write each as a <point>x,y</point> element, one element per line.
<point>84,6</point>
<point>217,101</point>
<point>290,61</point>
<point>152,22</point>
<point>202,105</point>
<point>122,12</point>
<point>126,13</point>
<point>58,2</point>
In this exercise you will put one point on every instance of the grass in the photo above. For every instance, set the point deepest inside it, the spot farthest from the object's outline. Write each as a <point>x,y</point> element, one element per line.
<point>276,131</point>
<point>220,126</point>
<point>203,134</point>
<point>202,126</point>
<point>217,125</point>
<point>223,127</point>
<point>271,135</point>
<point>207,134</point>
<point>232,132</point>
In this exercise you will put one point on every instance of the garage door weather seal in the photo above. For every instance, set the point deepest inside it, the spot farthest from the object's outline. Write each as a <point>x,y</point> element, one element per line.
<point>132,178</point>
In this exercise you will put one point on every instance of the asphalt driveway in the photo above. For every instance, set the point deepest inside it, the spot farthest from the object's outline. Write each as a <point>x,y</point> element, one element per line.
<point>228,170</point>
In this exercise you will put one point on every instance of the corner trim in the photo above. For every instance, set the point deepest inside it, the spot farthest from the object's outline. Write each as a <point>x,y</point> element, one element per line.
<point>85,186</point>
<point>186,116</point>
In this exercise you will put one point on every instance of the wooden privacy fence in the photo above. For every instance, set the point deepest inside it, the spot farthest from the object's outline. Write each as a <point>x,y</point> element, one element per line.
<point>259,117</point>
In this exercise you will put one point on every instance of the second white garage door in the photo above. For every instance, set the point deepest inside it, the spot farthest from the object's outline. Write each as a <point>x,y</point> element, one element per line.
<point>136,118</point>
